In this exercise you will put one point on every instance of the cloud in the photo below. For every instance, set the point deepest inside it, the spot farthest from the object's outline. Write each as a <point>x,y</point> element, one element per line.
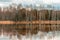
<point>51,1</point>
<point>31,1</point>
<point>5,0</point>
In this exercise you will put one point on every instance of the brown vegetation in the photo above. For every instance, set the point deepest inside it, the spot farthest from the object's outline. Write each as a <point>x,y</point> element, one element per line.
<point>25,21</point>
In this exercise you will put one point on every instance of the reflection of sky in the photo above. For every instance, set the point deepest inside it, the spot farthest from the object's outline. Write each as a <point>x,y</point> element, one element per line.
<point>4,38</point>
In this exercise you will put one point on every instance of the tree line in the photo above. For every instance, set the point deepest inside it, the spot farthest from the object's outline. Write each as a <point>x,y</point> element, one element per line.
<point>24,14</point>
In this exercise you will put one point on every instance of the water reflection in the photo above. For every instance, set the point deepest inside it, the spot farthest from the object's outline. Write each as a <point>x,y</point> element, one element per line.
<point>6,36</point>
<point>52,35</point>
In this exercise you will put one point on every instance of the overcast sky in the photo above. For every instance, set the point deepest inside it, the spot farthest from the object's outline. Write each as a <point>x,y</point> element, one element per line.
<point>7,2</point>
<point>31,1</point>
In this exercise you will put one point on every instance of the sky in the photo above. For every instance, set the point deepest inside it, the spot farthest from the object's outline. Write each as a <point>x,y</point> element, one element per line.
<point>51,1</point>
<point>7,2</point>
<point>30,1</point>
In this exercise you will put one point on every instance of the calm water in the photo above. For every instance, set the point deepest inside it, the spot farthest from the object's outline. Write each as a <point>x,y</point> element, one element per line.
<point>55,35</point>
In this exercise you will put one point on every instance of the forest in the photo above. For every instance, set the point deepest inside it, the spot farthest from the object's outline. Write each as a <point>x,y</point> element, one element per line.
<point>21,14</point>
